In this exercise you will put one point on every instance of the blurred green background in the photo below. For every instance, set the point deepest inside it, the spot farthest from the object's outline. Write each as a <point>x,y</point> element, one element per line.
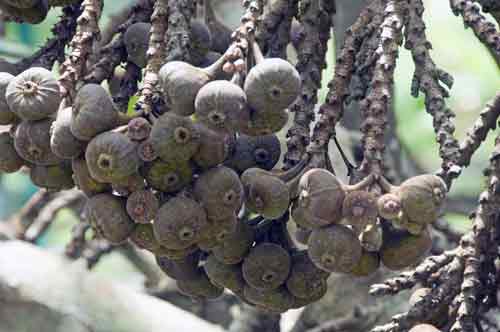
<point>477,79</point>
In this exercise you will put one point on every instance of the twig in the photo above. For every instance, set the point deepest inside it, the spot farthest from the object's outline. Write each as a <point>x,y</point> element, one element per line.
<point>95,250</point>
<point>178,35</point>
<point>23,219</point>
<point>76,245</point>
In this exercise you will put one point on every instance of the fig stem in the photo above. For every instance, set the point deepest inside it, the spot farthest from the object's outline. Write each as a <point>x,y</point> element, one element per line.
<point>386,185</point>
<point>257,53</point>
<point>361,184</point>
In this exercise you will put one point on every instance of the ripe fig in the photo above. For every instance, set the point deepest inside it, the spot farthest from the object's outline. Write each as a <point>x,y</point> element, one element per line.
<point>180,269</point>
<point>32,142</point>
<point>199,288</point>
<point>169,176</point>
<point>273,84</point>
<point>107,215</point>
<point>33,94</point>
<point>223,275</point>
<point>6,115</point>
<point>53,177</point>
<point>221,105</point>
<point>334,248</point>
<point>112,157</point>
<point>136,43</point>
<point>421,199</point>
<point>265,194</point>
<point>306,280</point>
<point>255,151</point>
<point>236,246</point>
<point>181,81</point>
<point>402,249</point>
<point>33,15</point>
<point>142,206</point>
<point>277,300</point>
<point>220,192</point>
<point>367,265</point>
<point>267,266</point>
<point>174,137</point>
<point>214,147</point>
<point>180,223</point>
<point>10,161</point>
<point>84,181</point>
<point>94,112</point>
<point>62,141</point>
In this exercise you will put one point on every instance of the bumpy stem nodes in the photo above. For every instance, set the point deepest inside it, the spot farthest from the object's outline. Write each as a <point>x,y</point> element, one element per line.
<point>87,32</point>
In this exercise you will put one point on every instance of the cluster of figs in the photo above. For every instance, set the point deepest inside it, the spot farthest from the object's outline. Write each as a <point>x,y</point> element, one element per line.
<point>178,184</point>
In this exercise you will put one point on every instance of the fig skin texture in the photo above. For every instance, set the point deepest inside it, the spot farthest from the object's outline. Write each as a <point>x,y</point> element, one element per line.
<point>259,151</point>
<point>402,249</point>
<point>143,237</point>
<point>272,85</point>
<point>112,157</point>
<point>217,232</point>
<point>169,176</point>
<point>93,112</point>
<point>62,141</point>
<point>277,301</point>
<point>306,280</point>
<point>265,123</point>
<point>214,147</point>
<point>359,209</point>
<point>6,115</point>
<point>136,42</point>
<point>84,181</point>
<point>265,194</point>
<point>267,266</point>
<point>223,275</point>
<point>54,177</point>
<point>142,206</point>
<point>220,192</point>
<point>180,223</point>
<point>32,15</point>
<point>201,42</point>
<point>236,246</point>
<point>107,215</point>
<point>367,265</point>
<point>174,138</point>
<point>199,288</point>
<point>334,249</point>
<point>32,142</point>
<point>185,268</point>
<point>10,161</point>
<point>33,94</point>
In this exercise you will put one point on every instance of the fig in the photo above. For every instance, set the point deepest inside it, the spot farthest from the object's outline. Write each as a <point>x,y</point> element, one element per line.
<point>214,147</point>
<point>180,269</point>
<point>32,142</point>
<point>306,280</point>
<point>254,151</point>
<point>84,181</point>
<point>53,177</point>
<point>10,161</point>
<point>138,129</point>
<point>236,245</point>
<point>62,141</point>
<point>367,265</point>
<point>136,40</point>
<point>33,15</point>
<point>402,249</point>
<point>6,115</point>
<point>223,275</point>
<point>199,288</point>
<point>277,300</point>
<point>142,206</point>
<point>169,176</point>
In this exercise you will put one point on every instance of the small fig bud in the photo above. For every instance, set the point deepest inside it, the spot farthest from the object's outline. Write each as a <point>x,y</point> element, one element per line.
<point>84,181</point>
<point>112,157</point>
<point>267,266</point>
<point>265,194</point>
<point>6,115</point>
<point>334,249</point>
<point>359,209</point>
<point>236,246</point>
<point>33,94</point>
<point>180,223</point>
<point>174,137</point>
<point>220,191</point>
<point>199,288</point>
<point>136,43</point>
<point>138,129</point>
<point>62,141</point>
<point>389,206</point>
<point>402,249</point>
<point>223,275</point>
<point>107,215</point>
<point>142,206</point>
<point>53,177</point>
<point>32,142</point>
<point>180,269</point>
<point>259,151</point>
<point>168,176</point>
<point>146,152</point>
<point>10,161</point>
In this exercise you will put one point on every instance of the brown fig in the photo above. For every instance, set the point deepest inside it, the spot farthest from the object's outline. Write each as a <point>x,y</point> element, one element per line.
<point>174,137</point>
<point>421,199</point>
<point>221,105</point>
<point>180,223</point>
<point>259,151</point>
<point>359,208</point>
<point>220,192</point>
<point>107,215</point>
<point>112,157</point>
<point>236,246</point>
<point>10,161</point>
<point>84,181</point>
<point>33,15</point>
<point>199,288</point>
<point>129,185</point>
<point>223,275</point>
<point>53,177</point>
<point>146,152</point>
<point>6,115</point>
<point>136,43</point>
<point>217,231</point>
<point>62,141</point>
<point>272,85</point>
<point>372,237</point>
<point>180,269</point>
<point>32,142</point>
<point>214,147</point>
<point>138,129</point>
<point>305,279</point>
<point>169,176</point>
<point>265,194</point>
<point>142,206</point>
<point>402,249</point>
<point>277,300</point>
<point>33,94</point>
<point>265,123</point>
<point>200,42</point>
<point>367,265</point>
<point>267,266</point>
<point>175,254</point>
<point>143,237</point>
<point>424,328</point>
<point>181,81</point>
<point>334,249</point>
<point>94,112</point>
